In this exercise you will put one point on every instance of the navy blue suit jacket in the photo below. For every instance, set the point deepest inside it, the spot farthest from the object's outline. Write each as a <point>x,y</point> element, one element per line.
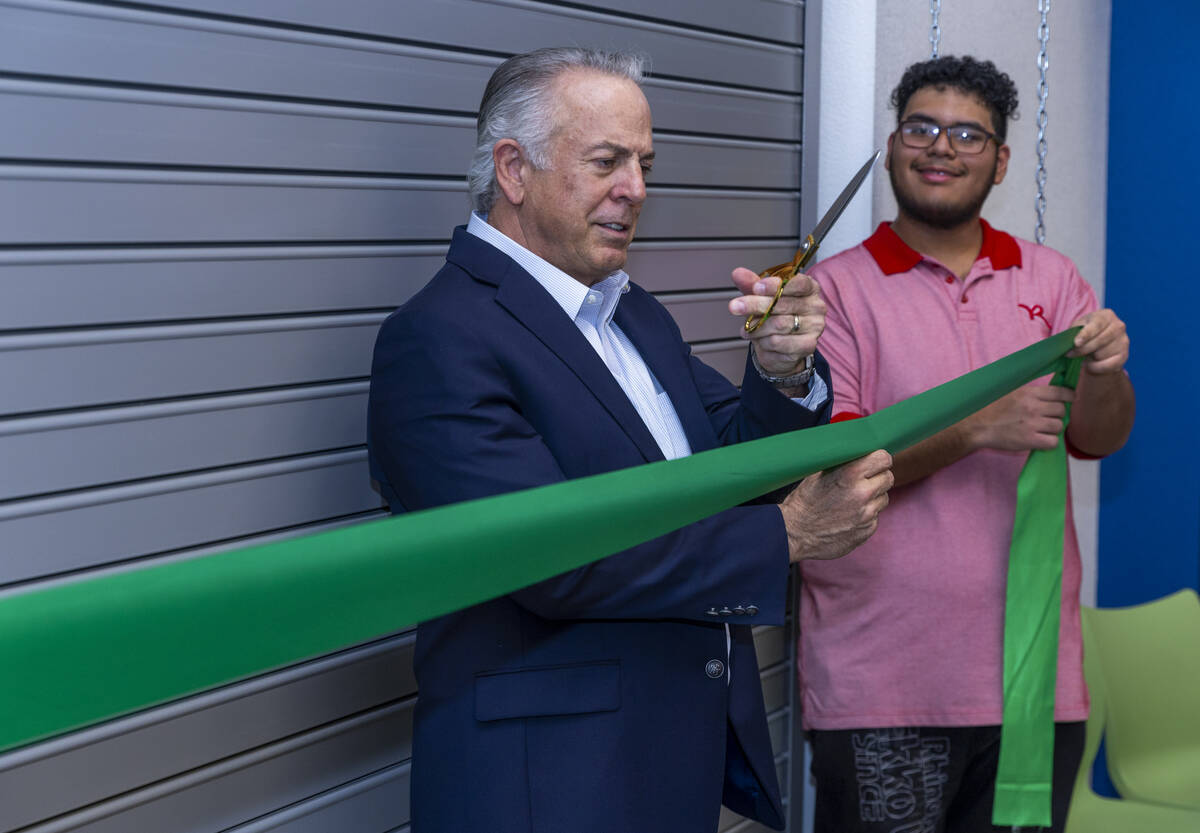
<point>583,703</point>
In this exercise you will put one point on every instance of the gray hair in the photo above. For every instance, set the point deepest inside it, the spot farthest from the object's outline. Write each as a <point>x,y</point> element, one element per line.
<point>515,106</point>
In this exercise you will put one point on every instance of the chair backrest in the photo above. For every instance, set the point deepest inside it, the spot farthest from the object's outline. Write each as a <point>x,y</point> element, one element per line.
<point>1147,659</point>
<point>1097,714</point>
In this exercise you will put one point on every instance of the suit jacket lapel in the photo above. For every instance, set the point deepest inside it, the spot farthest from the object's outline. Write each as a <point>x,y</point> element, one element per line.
<point>525,299</point>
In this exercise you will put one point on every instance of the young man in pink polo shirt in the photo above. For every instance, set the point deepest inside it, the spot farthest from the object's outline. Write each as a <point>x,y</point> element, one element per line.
<point>901,646</point>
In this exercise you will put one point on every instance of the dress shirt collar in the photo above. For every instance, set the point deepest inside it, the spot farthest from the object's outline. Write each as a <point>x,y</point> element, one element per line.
<point>569,293</point>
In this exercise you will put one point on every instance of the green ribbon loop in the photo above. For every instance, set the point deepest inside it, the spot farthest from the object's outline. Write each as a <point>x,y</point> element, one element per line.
<point>1031,618</point>
<point>87,651</point>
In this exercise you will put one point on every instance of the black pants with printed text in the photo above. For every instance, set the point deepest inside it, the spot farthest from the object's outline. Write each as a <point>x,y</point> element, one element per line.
<point>924,779</point>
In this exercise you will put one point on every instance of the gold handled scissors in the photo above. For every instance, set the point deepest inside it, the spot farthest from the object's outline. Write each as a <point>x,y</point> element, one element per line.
<point>786,271</point>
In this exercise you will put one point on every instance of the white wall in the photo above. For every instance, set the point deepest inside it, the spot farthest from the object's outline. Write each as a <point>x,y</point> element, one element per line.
<point>866,44</point>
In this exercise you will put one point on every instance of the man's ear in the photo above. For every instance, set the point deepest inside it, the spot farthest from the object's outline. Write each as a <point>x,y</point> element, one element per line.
<point>511,169</point>
<point>1002,154</point>
<point>887,158</point>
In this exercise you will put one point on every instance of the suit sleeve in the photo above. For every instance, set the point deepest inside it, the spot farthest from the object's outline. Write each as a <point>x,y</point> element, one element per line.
<point>445,425</point>
<point>757,409</point>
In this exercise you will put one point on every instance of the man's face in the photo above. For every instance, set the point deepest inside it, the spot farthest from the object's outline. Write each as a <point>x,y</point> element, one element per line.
<point>939,186</point>
<point>581,212</point>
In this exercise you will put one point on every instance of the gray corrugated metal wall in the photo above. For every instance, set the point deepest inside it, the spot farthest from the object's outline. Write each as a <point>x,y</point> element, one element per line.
<point>206,209</point>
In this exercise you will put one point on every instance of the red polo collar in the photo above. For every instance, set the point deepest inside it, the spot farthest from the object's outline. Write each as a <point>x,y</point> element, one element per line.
<point>894,255</point>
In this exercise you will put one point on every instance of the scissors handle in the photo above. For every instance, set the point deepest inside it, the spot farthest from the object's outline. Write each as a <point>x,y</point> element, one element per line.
<point>785,272</point>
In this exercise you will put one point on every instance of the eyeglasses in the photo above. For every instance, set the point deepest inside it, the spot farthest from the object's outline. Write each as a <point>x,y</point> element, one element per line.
<point>964,138</point>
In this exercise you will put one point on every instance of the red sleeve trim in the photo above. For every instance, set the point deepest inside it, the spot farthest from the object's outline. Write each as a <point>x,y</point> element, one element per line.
<point>845,416</point>
<point>1081,455</point>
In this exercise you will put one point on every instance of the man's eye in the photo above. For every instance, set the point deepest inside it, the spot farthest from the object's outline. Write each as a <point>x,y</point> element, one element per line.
<point>606,163</point>
<point>646,169</point>
<point>919,129</point>
<point>966,134</point>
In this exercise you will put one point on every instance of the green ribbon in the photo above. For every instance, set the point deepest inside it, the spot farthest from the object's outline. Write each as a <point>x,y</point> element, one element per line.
<point>78,653</point>
<point>1031,615</point>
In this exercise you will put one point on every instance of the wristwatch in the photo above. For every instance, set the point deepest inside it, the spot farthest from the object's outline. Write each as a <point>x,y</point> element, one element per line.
<point>793,381</point>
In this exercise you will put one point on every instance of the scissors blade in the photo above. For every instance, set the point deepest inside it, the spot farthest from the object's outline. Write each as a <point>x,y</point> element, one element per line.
<point>786,271</point>
<point>843,200</point>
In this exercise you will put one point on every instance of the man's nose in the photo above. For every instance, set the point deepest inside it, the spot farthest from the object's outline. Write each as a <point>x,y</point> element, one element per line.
<point>941,144</point>
<point>632,184</point>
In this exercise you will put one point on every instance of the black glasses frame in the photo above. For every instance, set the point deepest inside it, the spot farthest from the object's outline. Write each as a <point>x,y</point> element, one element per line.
<point>936,130</point>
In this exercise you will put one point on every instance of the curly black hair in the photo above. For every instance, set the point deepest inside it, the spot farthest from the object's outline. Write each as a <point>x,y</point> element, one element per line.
<point>966,74</point>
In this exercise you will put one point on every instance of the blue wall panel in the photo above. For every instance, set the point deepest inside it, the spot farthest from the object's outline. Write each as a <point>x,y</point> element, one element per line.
<point>1150,492</point>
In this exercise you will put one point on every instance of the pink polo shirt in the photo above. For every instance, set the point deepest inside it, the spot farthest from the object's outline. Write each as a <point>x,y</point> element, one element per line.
<point>907,630</point>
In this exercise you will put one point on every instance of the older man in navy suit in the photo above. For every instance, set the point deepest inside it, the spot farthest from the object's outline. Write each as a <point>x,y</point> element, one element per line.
<point>623,696</point>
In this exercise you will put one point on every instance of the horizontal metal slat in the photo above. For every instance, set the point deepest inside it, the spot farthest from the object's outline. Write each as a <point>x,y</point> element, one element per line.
<point>74,369</point>
<point>735,163</point>
<point>148,127</point>
<point>685,106</point>
<point>770,645</point>
<point>64,288</point>
<point>367,805</point>
<point>781,772</point>
<point>87,206</point>
<point>709,214</point>
<point>46,206</point>
<point>106,43</point>
<point>774,684</point>
<point>226,545</point>
<point>76,770</point>
<point>123,46</point>
<point>81,449</point>
<point>777,728</point>
<point>520,25</point>
<point>93,528</point>
<point>665,266</point>
<point>246,786</point>
<point>511,26</point>
<point>768,19</point>
<point>703,316</point>
<point>75,287</point>
<point>162,128</point>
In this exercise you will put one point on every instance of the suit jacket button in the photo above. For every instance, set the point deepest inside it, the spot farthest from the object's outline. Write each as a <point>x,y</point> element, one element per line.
<point>725,611</point>
<point>714,668</point>
<point>752,609</point>
<point>739,610</point>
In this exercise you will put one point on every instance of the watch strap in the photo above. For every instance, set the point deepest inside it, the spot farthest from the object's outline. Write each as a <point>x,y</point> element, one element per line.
<point>793,380</point>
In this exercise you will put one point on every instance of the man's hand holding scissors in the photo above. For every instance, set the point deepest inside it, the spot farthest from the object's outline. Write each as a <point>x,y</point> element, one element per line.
<point>784,312</point>
<point>789,335</point>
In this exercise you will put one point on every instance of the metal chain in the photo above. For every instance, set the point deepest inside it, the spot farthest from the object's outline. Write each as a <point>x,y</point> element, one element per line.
<point>1043,63</point>
<point>935,31</point>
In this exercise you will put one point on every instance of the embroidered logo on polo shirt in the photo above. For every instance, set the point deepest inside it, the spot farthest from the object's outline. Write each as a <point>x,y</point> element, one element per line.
<point>1036,311</point>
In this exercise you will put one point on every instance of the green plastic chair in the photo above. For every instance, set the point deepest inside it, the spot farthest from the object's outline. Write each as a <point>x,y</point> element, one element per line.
<point>1149,658</point>
<point>1092,813</point>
